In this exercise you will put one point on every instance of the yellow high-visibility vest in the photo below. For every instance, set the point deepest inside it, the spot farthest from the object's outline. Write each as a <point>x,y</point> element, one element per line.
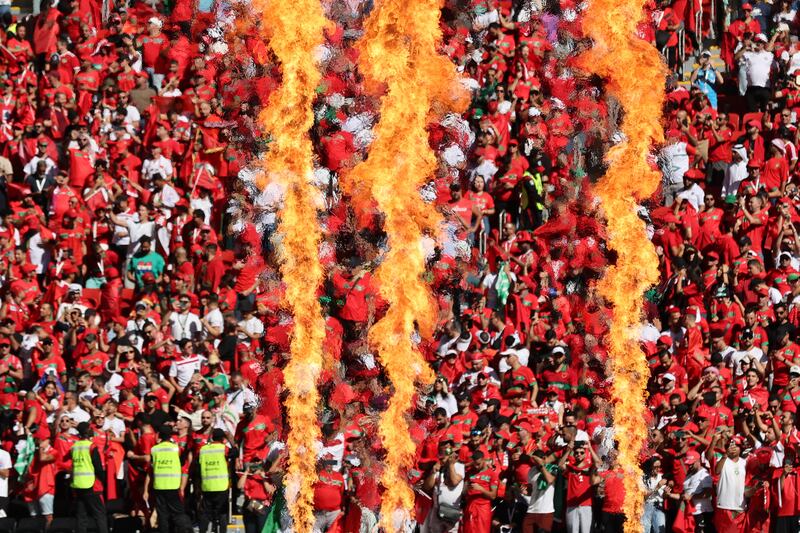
<point>214,475</point>
<point>82,467</point>
<point>166,460</point>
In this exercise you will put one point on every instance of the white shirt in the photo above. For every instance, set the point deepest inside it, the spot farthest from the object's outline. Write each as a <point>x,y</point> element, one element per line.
<point>137,230</point>
<point>182,325</point>
<point>730,487</point>
<point>447,402</point>
<point>168,197</point>
<point>747,355</point>
<point>237,399</point>
<point>696,483</point>
<point>184,368</point>
<point>115,425</point>
<point>5,464</point>
<point>445,494</point>
<point>214,319</point>
<point>674,162</point>
<point>694,194</point>
<point>541,500</point>
<point>758,66</point>
<point>30,166</point>
<point>77,414</point>
<point>253,326</point>
<point>151,167</point>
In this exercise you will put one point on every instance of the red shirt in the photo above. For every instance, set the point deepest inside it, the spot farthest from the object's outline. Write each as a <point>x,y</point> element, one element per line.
<point>614,491</point>
<point>579,484</point>
<point>329,491</point>
<point>487,480</point>
<point>253,436</point>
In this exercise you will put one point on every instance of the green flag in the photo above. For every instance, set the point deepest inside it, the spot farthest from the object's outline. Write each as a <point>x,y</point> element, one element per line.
<point>25,456</point>
<point>273,523</point>
<point>502,284</point>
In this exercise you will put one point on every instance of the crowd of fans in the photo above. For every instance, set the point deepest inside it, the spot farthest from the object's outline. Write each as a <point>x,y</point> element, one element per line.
<point>141,298</point>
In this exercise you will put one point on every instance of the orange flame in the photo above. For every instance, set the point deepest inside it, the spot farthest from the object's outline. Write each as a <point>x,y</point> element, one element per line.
<point>289,116</point>
<point>399,50</point>
<point>634,73</point>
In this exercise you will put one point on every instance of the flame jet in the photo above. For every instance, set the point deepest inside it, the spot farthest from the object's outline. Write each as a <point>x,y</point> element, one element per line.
<point>398,55</point>
<point>288,116</point>
<point>634,74</point>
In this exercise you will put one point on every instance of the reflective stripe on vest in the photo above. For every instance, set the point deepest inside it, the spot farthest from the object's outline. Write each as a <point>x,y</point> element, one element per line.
<point>166,466</point>
<point>82,467</point>
<point>213,468</point>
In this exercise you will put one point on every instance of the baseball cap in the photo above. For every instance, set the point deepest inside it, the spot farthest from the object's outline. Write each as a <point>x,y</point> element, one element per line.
<point>691,457</point>
<point>669,376</point>
<point>666,340</point>
<point>762,38</point>
<point>794,369</point>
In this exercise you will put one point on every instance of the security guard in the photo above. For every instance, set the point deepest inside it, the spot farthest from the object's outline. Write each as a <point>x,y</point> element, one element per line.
<point>533,199</point>
<point>87,468</point>
<point>166,462</point>
<point>215,482</point>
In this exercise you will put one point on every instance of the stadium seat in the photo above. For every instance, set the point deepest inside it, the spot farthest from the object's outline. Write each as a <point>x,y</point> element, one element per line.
<point>126,524</point>
<point>32,524</point>
<point>7,525</point>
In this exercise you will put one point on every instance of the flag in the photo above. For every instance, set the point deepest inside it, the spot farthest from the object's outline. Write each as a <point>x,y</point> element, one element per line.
<point>503,283</point>
<point>25,456</point>
<point>276,510</point>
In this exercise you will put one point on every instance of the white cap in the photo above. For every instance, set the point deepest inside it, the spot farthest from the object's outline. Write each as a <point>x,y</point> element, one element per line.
<point>155,21</point>
<point>75,287</point>
<point>761,37</point>
<point>794,369</point>
<point>534,112</point>
<point>558,349</point>
<point>669,375</point>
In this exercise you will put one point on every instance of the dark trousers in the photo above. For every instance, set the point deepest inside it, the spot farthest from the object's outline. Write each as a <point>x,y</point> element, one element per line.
<point>254,522</point>
<point>787,524</point>
<point>757,98</point>
<point>214,511</point>
<point>171,512</point>
<point>89,503</point>
<point>612,522</point>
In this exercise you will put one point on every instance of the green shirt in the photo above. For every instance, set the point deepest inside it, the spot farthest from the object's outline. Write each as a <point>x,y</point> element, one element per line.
<point>151,262</point>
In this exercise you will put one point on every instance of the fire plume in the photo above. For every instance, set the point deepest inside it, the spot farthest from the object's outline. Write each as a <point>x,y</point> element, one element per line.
<point>398,53</point>
<point>634,74</point>
<point>289,161</point>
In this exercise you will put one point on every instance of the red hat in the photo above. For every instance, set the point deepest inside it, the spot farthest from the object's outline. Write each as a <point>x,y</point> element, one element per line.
<point>785,200</point>
<point>5,341</point>
<point>475,356</point>
<point>673,309</point>
<point>71,213</point>
<point>112,273</point>
<point>669,217</point>
<point>763,291</point>
<point>717,330</point>
<point>694,174</point>
<point>27,268</point>
<point>69,268</point>
<point>148,277</point>
<point>666,340</point>
<point>691,457</point>
<point>526,426</point>
<point>747,7</point>
<point>712,255</point>
<point>754,163</point>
